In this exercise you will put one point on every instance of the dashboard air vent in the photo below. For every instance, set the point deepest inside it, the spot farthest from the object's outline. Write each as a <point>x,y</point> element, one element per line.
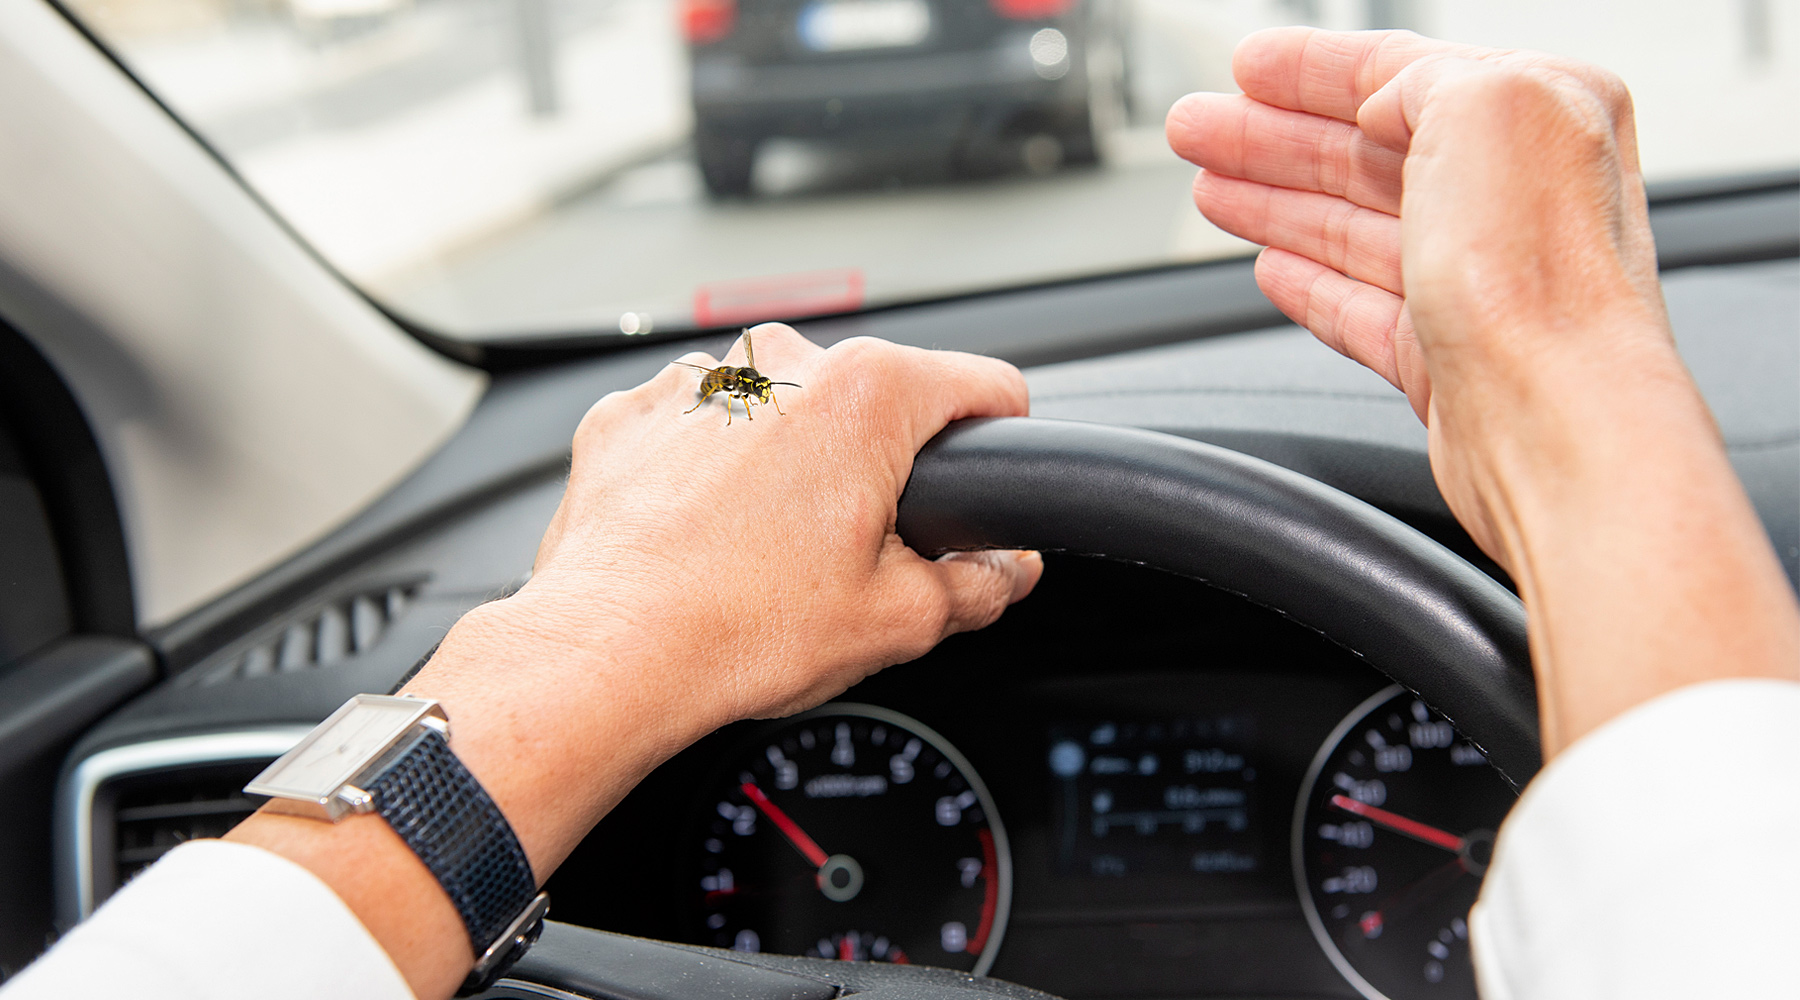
<point>350,624</point>
<point>152,814</point>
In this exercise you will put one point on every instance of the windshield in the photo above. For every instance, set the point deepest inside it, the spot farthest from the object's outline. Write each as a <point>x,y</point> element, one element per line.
<point>528,169</point>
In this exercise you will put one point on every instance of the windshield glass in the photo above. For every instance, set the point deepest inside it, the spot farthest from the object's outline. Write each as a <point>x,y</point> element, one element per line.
<point>530,169</point>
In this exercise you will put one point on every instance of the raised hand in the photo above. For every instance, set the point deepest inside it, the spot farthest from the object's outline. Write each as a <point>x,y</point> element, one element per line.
<point>1310,161</point>
<point>1471,224</point>
<point>1436,211</point>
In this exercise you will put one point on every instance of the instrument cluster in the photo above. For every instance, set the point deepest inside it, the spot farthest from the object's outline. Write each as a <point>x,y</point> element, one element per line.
<point>1259,813</point>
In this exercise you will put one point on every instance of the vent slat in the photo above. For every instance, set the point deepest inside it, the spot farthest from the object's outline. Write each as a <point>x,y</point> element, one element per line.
<point>328,634</point>
<point>333,636</point>
<point>367,622</point>
<point>296,648</point>
<point>171,810</point>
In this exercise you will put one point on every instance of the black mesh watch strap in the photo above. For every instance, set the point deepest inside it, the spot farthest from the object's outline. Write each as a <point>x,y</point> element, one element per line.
<point>447,818</point>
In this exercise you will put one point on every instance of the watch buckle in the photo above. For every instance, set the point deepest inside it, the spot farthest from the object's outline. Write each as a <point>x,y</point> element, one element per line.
<point>509,947</point>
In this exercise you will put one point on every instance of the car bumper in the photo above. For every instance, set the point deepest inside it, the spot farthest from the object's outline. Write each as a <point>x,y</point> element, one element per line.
<point>822,98</point>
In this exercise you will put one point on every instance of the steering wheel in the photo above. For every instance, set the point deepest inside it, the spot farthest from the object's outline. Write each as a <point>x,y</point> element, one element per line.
<point>1388,594</point>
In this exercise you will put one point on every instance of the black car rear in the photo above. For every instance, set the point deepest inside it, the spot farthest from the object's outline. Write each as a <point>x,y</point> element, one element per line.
<point>969,76</point>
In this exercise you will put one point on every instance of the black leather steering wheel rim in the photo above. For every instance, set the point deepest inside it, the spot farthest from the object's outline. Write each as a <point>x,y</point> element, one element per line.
<point>1365,580</point>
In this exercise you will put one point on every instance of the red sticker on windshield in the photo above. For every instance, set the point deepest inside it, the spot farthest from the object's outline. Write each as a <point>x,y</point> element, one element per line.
<point>785,296</point>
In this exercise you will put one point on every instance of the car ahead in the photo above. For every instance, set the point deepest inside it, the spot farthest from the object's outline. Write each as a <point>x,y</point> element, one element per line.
<point>988,82</point>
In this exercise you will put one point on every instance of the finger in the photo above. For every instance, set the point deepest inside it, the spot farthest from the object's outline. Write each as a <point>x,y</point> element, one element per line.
<point>1234,135</point>
<point>962,385</point>
<point>1360,242</point>
<point>927,389</point>
<point>1367,324</point>
<point>1391,115</point>
<point>981,585</point>
<point>1330,72</point>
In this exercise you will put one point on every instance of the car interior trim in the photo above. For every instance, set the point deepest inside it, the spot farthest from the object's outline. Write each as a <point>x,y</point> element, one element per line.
<point>75,815</point>
<point>51,696</point>
<point>86,223</point>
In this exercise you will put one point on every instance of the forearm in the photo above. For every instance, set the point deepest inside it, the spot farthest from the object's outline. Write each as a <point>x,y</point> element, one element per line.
<point>555,753</point>
<point>1608,495</point>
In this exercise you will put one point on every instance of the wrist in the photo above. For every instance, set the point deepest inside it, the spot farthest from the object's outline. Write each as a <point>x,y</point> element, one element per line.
<point>1524,436</point>
<point>558,721</point>
<point>1600,482</point>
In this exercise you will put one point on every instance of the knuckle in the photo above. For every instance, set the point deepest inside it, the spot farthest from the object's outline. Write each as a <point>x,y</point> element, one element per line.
<point>924,613</point>
<point>593,422</point>
<point>984,588</point>
<point>1611,91</point>
<point>861,365</point>
<point>859,352</point>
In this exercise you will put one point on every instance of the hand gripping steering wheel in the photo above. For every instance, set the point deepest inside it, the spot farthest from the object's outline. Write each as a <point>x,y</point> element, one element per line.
<point>1382,590</point>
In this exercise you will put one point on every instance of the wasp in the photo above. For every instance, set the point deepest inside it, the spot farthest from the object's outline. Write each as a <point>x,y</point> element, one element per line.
<point>745,383</point>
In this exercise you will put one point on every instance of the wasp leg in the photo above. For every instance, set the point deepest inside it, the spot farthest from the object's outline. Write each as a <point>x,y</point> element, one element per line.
<point>747,410</point>
<point>728,409</point>
<point>777,402</point>
<point>703,398</point>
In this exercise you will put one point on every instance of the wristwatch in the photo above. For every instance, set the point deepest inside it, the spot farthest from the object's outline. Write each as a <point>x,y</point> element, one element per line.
<point>391,755</point>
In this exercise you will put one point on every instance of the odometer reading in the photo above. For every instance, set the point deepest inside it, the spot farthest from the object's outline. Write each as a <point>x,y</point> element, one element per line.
<point>1392,834</point>
<point>855,833</point>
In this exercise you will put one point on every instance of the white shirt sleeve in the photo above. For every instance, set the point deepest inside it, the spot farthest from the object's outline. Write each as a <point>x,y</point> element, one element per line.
<point>1657,857</point>
<point>215,920</point>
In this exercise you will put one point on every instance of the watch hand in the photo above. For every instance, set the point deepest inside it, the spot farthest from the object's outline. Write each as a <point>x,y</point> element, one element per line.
<point>1400,824</point>
<point>788,827</point>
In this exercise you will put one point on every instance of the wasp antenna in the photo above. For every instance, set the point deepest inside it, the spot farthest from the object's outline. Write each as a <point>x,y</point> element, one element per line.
<point>794,384</point>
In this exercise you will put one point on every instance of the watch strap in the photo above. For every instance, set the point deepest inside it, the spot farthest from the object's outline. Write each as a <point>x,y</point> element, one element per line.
<point>446,817</point>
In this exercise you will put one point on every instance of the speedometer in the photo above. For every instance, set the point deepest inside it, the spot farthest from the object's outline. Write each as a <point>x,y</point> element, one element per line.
<point>1392,834</point>
<point>857,833</point>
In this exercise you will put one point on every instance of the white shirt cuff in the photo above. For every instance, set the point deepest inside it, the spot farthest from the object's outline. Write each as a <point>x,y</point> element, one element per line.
<point>215,920</point>
<point>1659,856</point>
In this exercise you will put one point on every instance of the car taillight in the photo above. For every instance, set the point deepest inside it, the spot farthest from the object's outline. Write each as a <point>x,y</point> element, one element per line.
<point>704,22</point>
<point>1031,10</point>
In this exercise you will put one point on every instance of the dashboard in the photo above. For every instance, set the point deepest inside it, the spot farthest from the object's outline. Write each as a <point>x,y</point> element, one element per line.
<point>1149,787</point>
<point>1100,799</point>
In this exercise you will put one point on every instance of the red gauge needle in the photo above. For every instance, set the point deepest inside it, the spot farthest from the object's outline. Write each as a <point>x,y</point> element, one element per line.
<point>1399,824</point>
<point>789,829</point>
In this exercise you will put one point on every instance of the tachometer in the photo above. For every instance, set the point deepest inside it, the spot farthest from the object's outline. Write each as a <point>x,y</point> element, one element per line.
<point>857,833</point>
<point>1392,834</point>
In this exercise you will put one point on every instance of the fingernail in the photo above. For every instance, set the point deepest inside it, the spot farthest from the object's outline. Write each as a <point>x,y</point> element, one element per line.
<point>1030,570</point>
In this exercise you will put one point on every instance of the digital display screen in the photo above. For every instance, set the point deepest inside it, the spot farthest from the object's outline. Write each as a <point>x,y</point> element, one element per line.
<point>1155,797</point>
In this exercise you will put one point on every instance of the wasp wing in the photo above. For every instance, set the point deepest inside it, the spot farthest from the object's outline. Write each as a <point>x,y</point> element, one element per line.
<point>749,351</point>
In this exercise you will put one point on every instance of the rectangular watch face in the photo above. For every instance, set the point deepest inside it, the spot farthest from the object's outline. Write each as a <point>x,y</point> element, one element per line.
<point>340,748</point>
